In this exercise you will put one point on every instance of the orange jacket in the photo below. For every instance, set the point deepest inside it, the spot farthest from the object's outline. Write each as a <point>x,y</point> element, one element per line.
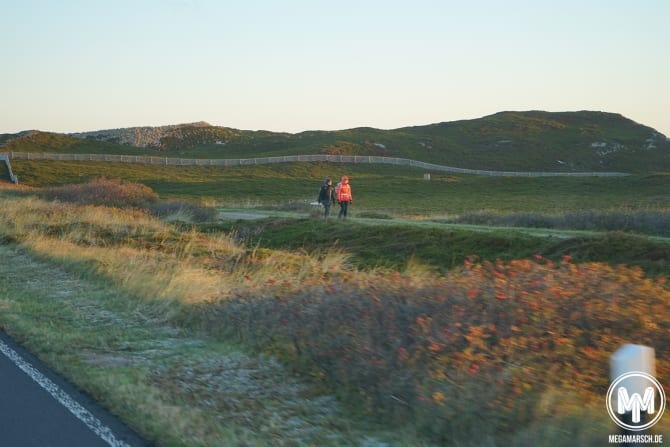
<point>344,191</point>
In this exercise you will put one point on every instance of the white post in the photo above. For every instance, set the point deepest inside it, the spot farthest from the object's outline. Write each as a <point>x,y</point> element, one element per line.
<point>631,399</point>
<point>629,358</point>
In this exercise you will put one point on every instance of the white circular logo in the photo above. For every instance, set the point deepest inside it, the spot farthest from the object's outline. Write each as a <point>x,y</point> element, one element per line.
<point>635,401</point>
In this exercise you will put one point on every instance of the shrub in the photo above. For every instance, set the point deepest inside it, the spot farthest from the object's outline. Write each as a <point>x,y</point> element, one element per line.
<point>103,191</point>
<point>486,343</point>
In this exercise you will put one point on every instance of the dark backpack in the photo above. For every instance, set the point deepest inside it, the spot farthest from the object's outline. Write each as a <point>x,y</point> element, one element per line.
<point>323,194</point>
<point>326,194</point>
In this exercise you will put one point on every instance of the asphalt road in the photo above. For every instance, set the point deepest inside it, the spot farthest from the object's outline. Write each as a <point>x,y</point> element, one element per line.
<point>40,409</point>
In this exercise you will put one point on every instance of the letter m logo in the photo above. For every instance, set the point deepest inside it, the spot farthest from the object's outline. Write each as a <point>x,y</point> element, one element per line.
<point>635,403</point>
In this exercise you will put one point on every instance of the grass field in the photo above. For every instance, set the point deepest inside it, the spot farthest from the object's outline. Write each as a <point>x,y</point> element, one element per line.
<point>361,332</point>
<point>384,189</point>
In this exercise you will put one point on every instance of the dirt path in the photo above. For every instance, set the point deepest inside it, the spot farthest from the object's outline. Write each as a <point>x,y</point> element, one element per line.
<point>236,215</point>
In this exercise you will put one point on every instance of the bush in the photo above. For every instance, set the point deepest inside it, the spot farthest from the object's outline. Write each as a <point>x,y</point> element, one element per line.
<point>486,343</point>
<point>103,191</point>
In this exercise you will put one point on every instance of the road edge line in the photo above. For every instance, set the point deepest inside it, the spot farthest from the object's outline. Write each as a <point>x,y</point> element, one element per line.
<point>81,413</point>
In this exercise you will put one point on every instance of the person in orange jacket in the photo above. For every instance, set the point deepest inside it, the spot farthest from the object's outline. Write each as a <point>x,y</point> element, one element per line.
<point>344,197</point>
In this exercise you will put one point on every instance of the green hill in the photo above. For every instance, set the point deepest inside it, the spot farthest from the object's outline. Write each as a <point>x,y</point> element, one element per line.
<point>520,141</point>
<point>551,141</point>
<point>37,141</point>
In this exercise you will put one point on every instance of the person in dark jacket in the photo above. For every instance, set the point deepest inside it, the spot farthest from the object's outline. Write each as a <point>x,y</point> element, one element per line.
<point>327,196</point>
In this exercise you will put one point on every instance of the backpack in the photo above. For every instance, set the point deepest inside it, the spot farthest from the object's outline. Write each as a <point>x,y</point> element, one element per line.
<point>323,194</point>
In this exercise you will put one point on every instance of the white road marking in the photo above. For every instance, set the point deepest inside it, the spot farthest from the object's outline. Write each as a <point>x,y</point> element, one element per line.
<point>102,431</point>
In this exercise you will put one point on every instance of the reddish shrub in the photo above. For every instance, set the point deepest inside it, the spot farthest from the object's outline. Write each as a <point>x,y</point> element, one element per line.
<point>103,191</point>
<point>486,341</point>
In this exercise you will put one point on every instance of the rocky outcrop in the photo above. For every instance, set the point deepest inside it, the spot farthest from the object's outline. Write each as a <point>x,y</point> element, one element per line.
<point>149,137</point>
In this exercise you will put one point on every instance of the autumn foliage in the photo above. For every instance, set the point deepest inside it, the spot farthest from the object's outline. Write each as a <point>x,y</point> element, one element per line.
<point>473,351</point>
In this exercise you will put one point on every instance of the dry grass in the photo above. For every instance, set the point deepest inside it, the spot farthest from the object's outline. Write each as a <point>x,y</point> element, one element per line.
<point>118,337</point>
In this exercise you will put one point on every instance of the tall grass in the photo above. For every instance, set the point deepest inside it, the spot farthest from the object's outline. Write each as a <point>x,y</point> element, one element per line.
<point>147,256</point>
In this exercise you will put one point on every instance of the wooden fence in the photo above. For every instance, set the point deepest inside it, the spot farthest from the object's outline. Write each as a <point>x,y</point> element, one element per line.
<point>168,161</point>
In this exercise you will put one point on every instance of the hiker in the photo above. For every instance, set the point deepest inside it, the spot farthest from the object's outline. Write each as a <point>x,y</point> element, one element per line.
<point>326,196</point>
<point>344,197</point>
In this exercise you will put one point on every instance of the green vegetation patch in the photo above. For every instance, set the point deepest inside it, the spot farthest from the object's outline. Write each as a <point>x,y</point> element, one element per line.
<point>384,245</point>
<point>376,188</point>
<point>401,246</point>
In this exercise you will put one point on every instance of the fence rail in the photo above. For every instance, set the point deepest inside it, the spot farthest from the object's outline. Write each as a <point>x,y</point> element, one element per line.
<point>168,161</point>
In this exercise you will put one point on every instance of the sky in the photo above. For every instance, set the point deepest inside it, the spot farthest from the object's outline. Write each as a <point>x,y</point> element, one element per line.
<point>296,65</point>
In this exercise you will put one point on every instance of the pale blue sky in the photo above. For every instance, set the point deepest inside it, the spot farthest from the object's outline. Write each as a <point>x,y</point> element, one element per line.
<point>296,65</point>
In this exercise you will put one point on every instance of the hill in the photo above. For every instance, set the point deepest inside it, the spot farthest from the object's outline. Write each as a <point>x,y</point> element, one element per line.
<point>522,141</point>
